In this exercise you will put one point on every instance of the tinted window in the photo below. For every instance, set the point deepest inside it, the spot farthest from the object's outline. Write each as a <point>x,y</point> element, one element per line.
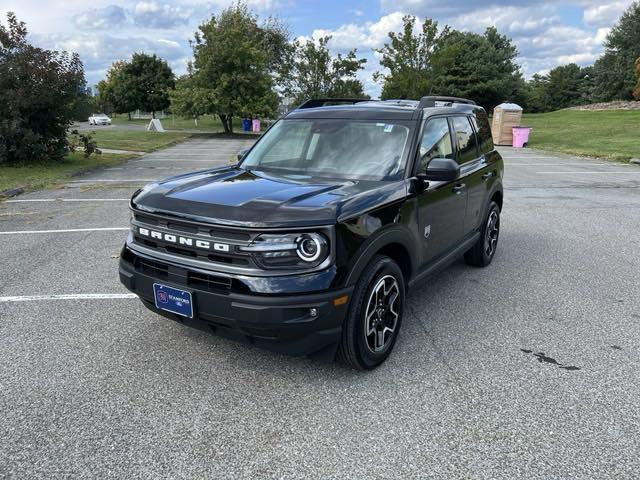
<point>436,142</point>
<point>467,149</point>
<point>337,148</point>
<point>290,145</point>
<point>483,129</point>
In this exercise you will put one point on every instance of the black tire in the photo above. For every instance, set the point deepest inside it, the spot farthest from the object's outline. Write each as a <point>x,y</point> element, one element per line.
<point>483,251</point>
<point>356,349</point>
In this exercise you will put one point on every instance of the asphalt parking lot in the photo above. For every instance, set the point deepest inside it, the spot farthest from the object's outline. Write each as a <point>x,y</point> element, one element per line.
<point>528,368</point>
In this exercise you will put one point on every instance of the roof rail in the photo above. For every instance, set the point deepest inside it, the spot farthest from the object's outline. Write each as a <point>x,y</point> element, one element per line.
<point>427,102</point>
<point>321,102</point>
<point>403,102</point>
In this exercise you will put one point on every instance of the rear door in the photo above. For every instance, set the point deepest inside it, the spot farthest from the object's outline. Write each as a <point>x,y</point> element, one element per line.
<point>441,206</point>
<point>474,170</point>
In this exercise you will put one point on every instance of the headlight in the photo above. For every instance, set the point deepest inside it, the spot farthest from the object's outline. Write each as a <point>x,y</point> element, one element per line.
<point>289,251</point>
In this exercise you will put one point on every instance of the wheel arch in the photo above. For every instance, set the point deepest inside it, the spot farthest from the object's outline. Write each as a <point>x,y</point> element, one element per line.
<point>496,196</point>
<point>394,243</point>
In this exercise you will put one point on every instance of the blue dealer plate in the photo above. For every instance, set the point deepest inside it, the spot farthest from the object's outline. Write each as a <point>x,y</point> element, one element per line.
<point>173,300</point>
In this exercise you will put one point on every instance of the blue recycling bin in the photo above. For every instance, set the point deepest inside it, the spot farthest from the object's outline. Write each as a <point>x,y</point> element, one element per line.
<point>246,125</point>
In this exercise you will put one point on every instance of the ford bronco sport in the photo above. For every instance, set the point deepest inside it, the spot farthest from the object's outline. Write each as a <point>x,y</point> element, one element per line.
<point>309,244</point>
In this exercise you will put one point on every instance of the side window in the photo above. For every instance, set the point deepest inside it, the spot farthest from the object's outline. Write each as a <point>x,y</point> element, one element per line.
<point>481,123</point>
<point>466,137</point>
<point>436,142</point>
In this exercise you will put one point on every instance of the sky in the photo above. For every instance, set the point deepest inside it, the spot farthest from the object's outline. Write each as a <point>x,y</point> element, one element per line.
<point>546,33</point>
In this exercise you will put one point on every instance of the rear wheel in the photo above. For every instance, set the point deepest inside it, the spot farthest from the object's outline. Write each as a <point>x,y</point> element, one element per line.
<point>483,251</point>
<point>375,315</point>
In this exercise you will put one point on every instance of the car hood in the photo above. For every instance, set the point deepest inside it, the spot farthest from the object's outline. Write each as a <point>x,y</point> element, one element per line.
<point>236,197</point>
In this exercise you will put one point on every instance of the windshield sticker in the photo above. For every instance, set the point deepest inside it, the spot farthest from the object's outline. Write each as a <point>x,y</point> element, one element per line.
<point>388,128</point>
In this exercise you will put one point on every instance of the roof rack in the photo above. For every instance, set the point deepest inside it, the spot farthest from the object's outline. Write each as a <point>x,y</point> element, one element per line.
<point>429,102</point>
<point>401,102</point>
<point>321,102</point>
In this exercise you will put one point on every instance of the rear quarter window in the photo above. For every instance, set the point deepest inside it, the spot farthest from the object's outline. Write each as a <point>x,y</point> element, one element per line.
<point>481,123</point>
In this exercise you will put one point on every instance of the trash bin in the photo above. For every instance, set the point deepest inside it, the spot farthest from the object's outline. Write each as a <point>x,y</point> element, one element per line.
<point>246,125</point>
<point>521,136</point>
<point>505,117</point>
<point>255,125</point>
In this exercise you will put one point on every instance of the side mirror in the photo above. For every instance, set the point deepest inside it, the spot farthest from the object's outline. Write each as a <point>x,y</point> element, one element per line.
<point>442,170</point>
<point>242,153</point>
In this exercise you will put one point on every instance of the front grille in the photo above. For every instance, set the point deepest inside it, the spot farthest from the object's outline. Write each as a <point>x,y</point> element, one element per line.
<point>151,267</point>
<point>181,276</point>
<point>208,282</point>
<point>232,238</point>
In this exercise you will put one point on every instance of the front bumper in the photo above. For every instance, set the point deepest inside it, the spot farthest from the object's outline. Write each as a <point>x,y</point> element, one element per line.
<point>281,323</point>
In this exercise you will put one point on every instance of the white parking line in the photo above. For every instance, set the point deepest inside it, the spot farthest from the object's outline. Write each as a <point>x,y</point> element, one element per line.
<point>124,180</point>
<point>211,160</point>
<point>77,296</point>
<point>36,200</point>
<point>71,230</point>
<point>587,173</point>
<point>558,164</point>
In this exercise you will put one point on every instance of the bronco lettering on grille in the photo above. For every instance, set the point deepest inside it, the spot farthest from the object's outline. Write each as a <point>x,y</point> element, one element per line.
<point>179,240</point>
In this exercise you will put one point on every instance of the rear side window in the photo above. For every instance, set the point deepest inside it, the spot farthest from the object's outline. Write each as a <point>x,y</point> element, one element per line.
<point>481,123</point>
<point>466,137</point>
<point>436,142</point>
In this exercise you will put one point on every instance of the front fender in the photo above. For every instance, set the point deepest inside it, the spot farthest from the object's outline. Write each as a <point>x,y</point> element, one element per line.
<point>393,235</point>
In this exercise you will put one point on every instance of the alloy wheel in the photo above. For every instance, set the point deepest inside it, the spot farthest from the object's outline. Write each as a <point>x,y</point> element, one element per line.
<point>491,234</point>
<point>382,314</point>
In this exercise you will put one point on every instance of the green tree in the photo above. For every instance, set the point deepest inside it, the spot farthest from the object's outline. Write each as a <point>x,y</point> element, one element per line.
<point>636,91</point>
<point>408,59</point>
<point>191,101</point>
<point>480,67</point>
<point>313,73</point>
<point>144,83</point>
<point>536,94</point>
<point>614,71</point>
<point>236,60</point>
<point>38,91</point>
<point>113,96</point>
<point>564,86</point>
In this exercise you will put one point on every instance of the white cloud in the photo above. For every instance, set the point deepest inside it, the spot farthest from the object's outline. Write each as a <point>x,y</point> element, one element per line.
<point>605,14</point>
<point>100,18</point>
<point>98,52</point>
<point>162,16</point>
<point>367,35</point>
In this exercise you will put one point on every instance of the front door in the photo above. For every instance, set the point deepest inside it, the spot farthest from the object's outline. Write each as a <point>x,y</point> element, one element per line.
<point>442,205</point>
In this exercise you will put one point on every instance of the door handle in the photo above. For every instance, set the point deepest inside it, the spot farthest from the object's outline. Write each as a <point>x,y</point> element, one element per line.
<point>458,188</point>
<point>488,175</point>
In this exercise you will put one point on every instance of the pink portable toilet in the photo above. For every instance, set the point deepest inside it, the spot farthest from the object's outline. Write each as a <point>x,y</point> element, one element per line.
<point>255,125</point>
<point>521,136</point>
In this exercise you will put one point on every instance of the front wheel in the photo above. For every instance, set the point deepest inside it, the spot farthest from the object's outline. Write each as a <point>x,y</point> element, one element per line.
<point>375,315</point>
<point>483,251</point>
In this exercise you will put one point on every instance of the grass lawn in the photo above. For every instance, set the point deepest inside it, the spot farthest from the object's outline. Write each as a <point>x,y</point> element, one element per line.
<point>609,134</point>
<point>206,123</point>
<point>39,176</point>
<point>136,140</point>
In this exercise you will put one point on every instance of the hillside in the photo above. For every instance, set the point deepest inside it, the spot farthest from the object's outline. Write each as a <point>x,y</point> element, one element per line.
<point>610,134</point>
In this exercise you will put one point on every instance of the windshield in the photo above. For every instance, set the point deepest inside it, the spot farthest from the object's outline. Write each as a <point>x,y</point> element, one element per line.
<point>342,148</point>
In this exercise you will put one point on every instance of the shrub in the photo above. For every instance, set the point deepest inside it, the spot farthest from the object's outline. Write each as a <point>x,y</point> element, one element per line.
<point>85,141</point>
<point>38,90</point>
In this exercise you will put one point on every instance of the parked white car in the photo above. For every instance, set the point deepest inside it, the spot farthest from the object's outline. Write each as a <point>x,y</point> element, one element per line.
<point>99,119</point>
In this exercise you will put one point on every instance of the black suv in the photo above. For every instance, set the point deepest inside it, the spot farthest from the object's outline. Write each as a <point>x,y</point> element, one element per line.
<point>309,244</point>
